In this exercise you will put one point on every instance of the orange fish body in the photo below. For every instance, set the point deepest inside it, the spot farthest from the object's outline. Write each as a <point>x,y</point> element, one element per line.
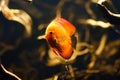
<point>58,35</point>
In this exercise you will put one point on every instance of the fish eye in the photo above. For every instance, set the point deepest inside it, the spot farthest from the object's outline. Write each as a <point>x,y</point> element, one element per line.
<point>51,32</point>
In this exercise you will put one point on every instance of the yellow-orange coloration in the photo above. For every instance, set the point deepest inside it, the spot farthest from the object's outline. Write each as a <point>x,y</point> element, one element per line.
<point>58,35</point>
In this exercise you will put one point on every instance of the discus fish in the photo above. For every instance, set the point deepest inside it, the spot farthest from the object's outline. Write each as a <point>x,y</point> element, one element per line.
<point>59,35</point>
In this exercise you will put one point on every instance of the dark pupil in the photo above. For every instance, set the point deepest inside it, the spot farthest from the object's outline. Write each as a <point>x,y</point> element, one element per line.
<point>51,32</point>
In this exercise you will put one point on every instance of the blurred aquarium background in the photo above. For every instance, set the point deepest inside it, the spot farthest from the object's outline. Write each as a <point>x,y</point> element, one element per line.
<point>98,47</point>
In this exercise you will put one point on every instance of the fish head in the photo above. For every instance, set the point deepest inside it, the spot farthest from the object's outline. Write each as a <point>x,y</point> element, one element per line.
<point>59,38</point>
